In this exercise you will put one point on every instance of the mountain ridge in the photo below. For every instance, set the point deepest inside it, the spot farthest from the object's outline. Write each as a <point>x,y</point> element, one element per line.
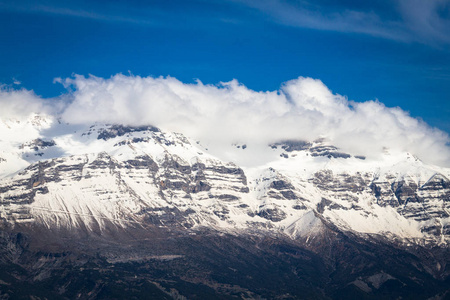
<point>133,196</point>
<point>316,177</point>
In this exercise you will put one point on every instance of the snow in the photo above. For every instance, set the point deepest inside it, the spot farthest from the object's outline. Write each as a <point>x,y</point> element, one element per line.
<point>120,196</point>
<point>305,226</point>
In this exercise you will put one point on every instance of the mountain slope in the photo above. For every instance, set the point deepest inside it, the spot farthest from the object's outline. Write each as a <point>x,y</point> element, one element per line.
<point>106,189</point>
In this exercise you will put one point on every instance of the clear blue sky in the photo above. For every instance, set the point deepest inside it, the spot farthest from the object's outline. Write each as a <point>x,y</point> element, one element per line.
<point>397,51</point>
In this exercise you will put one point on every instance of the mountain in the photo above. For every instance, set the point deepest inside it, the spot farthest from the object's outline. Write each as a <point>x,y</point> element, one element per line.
<point>114,211</point>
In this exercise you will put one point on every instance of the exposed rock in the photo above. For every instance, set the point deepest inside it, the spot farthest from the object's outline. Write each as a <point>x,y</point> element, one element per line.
<point>272,214</point>
<point>38,144</point>
<point>290,146</point>
<point>120,130</point>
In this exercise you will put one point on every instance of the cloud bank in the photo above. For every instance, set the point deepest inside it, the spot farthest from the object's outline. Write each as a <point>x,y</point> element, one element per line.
<point>302,109</point>
<point>20,103</point>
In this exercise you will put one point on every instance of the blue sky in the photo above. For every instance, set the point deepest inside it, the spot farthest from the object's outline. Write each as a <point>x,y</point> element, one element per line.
<point>395,51</point>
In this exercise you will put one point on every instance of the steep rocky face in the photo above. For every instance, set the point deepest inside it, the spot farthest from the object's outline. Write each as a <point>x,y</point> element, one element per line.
<point>150,177</point>
<point>90,188</point>
<point>313,213</point>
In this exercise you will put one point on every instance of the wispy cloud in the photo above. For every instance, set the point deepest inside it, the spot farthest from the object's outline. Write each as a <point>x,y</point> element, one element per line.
<point>58,8</point>
<point>92,15</point>
<point>427,20</point>
<point>154,13</point>
<point>400,20</point>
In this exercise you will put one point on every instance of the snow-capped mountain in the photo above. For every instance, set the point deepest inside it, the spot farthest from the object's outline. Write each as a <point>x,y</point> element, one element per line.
<point>57,175</point>
<point>122,182</point>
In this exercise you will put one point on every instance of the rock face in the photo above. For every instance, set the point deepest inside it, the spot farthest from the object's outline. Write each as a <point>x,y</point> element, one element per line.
<point>114,210</point>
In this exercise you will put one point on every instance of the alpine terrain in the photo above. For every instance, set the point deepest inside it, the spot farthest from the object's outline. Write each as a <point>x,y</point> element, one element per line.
<point>109,211</point>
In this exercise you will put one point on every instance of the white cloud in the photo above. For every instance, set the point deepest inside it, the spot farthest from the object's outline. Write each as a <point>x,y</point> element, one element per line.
<point>303,109</point>
<point>220,115</point>
<point>20,104</point>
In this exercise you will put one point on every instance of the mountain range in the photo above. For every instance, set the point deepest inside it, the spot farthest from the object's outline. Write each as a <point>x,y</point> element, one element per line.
<point>112,211</point>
